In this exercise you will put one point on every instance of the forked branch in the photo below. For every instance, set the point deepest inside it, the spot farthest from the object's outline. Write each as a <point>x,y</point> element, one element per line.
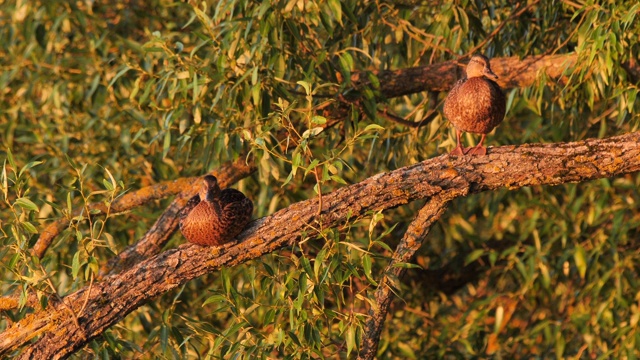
<point>405,251</point>
<point>513,167</point>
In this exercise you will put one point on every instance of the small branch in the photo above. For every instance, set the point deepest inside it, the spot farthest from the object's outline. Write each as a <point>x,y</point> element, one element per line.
<point>502,25</point>
<point>112,298</point>
<point>405,251</point>
<point>408,123</point>
<point>125,202</point>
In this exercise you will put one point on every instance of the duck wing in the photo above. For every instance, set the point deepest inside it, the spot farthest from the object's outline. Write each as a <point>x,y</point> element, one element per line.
<point>453,101</point>
<point>236,210</point>
<point>188,207</point>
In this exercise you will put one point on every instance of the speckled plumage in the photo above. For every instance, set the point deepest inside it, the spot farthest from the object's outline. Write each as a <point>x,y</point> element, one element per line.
<point>214,217</point>
<point>475,104</point>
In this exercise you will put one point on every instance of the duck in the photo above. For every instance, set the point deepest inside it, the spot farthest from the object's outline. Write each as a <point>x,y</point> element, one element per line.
<point>475,104</point>
<point>214,217</point>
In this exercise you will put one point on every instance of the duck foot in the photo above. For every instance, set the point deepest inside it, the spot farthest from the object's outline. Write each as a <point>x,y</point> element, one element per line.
<point>458,151</point>
<point>477,150</point>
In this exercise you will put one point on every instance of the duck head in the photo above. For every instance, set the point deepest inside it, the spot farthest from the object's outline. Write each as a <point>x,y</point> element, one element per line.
<point>479,66</point>
<point>210,188</point>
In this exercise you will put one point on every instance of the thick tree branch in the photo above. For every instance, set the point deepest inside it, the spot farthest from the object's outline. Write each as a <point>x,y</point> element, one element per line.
<point>405,251</point>
<point>512,71</point>
<point>111,299</point>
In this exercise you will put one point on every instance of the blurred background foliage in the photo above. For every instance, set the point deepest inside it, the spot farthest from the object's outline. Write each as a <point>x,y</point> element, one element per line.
<point>98,99</point>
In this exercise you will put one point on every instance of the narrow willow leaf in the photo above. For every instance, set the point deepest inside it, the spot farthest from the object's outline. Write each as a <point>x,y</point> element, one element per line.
<point>26,204</point>
<point>29,166</point>
<point>118,75</point>
<point>75,265</point>
<point>371,127</point>
<point>580,257</point>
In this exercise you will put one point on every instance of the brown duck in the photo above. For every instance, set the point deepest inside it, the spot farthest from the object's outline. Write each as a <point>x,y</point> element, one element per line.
<point>214,217</point>
<point>475,104</point>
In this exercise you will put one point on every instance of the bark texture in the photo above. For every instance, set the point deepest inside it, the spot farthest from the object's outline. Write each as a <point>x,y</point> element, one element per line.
<point>512,72</point>
<point>112,298</point>
<point>405,251</point>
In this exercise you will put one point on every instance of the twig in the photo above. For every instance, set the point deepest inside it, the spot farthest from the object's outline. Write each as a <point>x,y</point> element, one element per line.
<point>499,28</point>
<point>319,183</point>
<point>119,205</point>
<point>412,124</point>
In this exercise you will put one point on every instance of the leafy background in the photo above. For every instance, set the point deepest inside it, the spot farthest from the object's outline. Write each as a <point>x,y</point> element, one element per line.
<point>102,99</point>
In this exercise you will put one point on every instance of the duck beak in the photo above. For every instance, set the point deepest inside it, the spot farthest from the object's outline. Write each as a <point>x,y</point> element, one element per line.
<point>488,73</point>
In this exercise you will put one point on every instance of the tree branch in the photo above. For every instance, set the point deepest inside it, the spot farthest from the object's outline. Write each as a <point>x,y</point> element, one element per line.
<point>512,71</point>
<point>405,251</point>
<point>513,167</point>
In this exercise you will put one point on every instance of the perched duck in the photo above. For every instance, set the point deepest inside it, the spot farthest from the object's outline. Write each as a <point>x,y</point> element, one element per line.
<point>214,217</point>
<point>475,104</point>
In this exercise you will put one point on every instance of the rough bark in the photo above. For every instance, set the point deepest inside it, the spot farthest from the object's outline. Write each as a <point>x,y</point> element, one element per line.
<point>111,299</point>
<point>512,72</point>
<point>405,251</point>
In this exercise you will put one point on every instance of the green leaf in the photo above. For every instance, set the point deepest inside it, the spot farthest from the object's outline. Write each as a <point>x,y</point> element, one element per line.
<point>350,339</point>
<point>118,75</point>
<point>75,265</point>
<point>167,144</point>
<point>406,350</point>
<point>12,162</point>
<point>371,127</point>
<point>107,184</point>
<point>336,9</point>
<point>580,258</point>
<point>383,245</point>
<point>215,299</point>
<point>13,261</point>
<point>306,265</point>
<point>69,208</point>
<point>473,256</point>
<point>306,86</point>
<point>346,63</point>
<point>29,227</point>
<point>296,162</point>
<point>312,132</point>
<point>320,120</point>
<point>29,166</point>
<point>5,185</point>
<point>311,166</point>
<point>338,179</point>
<point>405,265</point>
<point>26,204</point>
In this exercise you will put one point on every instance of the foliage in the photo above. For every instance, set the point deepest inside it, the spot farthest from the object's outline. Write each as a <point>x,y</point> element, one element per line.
<point>101,99</point>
